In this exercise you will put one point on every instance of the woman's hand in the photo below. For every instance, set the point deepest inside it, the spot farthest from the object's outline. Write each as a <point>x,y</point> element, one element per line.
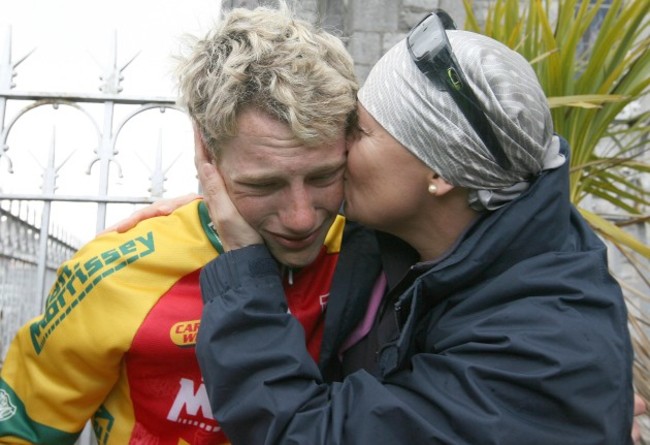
<point>162,207</point>
<point>639,409</point>
<point>234,232</point>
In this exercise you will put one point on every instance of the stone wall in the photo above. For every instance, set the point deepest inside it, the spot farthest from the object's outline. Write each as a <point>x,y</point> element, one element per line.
<point>374,26</point>
<point>368,27</point>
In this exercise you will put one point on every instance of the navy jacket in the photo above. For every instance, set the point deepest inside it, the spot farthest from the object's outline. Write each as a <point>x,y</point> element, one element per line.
<point>518,336</point>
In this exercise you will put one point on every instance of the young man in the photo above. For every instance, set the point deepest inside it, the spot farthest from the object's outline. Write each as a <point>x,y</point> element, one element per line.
<point>271,97</point>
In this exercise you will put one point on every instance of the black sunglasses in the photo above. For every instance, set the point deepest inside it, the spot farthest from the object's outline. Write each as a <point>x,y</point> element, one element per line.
<point>431,51</point>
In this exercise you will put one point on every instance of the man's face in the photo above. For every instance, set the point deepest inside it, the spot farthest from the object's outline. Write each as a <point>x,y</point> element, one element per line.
<point>288,192</point>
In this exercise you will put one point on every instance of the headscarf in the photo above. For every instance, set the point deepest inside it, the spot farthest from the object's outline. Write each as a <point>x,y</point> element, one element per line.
<point>428,122</point>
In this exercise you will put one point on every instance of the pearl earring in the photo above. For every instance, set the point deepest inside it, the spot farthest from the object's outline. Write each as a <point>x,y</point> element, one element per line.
<point>433,189</point>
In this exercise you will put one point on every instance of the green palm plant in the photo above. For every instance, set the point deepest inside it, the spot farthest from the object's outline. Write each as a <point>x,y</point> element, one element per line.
<point>588,89</point>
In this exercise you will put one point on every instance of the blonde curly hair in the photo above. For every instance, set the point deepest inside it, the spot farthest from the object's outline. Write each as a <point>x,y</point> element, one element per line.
<point>268,59</point>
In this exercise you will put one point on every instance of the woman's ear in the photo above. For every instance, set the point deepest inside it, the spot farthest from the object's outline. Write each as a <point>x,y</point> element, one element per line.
<point>438,186</point>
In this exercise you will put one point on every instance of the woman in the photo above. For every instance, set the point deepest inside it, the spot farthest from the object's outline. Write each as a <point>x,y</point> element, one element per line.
<point>495,320</point>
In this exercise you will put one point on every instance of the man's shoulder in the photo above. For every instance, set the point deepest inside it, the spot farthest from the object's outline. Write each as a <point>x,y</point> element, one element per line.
<point>344,232</point>
<point>182,229</point>
<point>156,250</point>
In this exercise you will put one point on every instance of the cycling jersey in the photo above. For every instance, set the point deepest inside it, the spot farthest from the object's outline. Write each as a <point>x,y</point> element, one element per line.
<point>116,342</point>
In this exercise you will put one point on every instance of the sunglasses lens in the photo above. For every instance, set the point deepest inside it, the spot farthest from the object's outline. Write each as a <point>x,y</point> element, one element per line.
<point>426,38</point>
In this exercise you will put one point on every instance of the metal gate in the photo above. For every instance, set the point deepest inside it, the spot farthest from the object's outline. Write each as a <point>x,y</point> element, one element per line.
<point>40,215</point>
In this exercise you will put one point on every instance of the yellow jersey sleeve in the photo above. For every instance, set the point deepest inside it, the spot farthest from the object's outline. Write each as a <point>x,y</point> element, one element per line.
<point>62,365</point>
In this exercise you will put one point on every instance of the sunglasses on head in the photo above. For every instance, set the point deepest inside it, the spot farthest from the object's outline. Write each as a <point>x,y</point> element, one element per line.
<point>431,51</point>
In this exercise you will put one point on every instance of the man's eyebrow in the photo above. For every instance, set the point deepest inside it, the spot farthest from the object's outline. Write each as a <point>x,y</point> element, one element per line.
<point>253,178</point>
<point>334,166</point>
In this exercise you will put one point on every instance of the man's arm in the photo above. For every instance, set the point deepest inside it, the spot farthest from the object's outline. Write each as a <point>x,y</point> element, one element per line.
<point>61,365</point>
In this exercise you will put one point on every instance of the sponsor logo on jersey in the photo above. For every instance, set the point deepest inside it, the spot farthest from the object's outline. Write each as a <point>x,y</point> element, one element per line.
<point>7,409</point>
<point>323,301</point>
<point>76,280</point>
<point>183,333</point>
<point>191,404</point>
<point>102,424</point>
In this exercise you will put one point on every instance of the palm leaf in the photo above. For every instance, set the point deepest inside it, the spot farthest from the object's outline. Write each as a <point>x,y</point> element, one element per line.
<point>611,231</point>
<point>584,100</point>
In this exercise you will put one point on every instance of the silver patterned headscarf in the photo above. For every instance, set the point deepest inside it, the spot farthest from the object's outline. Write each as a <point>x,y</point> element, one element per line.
<point>428,122</point>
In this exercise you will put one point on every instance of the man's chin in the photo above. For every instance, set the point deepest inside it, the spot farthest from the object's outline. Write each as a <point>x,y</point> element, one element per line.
<point>296,260</point>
